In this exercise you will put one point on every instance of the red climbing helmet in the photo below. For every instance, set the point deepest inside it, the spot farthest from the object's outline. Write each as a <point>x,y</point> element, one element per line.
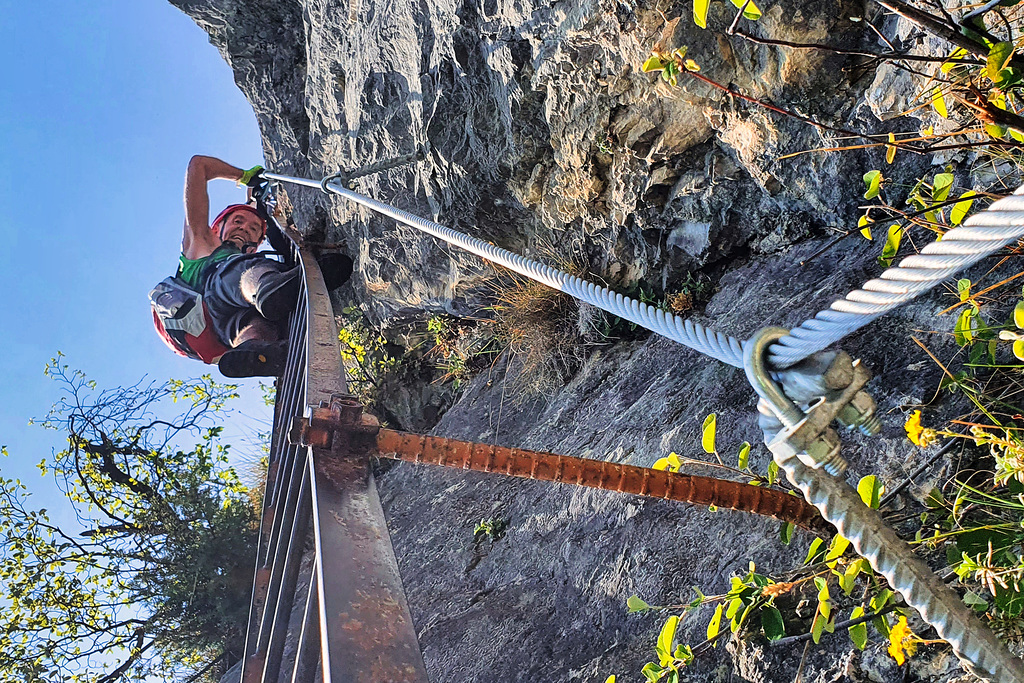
<point>230,209</point>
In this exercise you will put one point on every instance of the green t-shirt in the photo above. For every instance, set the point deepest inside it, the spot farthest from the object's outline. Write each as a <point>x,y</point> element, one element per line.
<point>192,270</point>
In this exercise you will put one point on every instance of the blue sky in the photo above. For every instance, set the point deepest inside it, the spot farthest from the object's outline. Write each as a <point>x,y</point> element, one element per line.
<point>102,104</point>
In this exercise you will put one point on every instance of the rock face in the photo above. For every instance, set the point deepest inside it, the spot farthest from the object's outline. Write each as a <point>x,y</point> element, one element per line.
<point>543,135</point>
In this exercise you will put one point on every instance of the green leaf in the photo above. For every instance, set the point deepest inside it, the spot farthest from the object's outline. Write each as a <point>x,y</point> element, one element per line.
<point>707,434</point>
<point>960,209</point>
<point>814,551</point>
<point>652,672</point>
<point>963,288</point>
<point>975,601</point>
<point>773,472</point>
<point>786,532</point>
<point>963,330</point>
<point>999,56</point>
<point>1018,315</point>
<point>700,12</point>
<point>665,638</point>
<point>750,11</point>
<point>873,181</point>
<point>818,627</point>
<point>870,490</point>
<point>849,578</point>
<point>836,549</point>
<point>996,131</point>
<point>771,623</point>
<point>716,622</point>
<point>635,604</point>
<point>892,245</point>
<point>858,632</point>
<point>941,186</point>
<point>743,461</point>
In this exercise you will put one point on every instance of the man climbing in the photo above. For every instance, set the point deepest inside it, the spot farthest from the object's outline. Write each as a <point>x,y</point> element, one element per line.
<point>246,296</point>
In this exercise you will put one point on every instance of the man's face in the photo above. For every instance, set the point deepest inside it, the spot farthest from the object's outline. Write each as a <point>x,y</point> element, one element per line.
<point>244,229</point>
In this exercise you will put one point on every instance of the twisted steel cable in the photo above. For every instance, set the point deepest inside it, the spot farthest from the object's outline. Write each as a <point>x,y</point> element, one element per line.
<point>686,332</point>
<point>976,646</point>
<point>979,236</point>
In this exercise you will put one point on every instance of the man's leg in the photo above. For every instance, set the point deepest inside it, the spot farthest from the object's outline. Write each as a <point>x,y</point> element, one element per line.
<point>271,290</point>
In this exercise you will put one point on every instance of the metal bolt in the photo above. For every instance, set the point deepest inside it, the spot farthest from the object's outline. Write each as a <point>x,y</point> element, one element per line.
<point>860,413</point>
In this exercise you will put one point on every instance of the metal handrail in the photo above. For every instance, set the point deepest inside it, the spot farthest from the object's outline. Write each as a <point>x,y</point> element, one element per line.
<point>318,483</point>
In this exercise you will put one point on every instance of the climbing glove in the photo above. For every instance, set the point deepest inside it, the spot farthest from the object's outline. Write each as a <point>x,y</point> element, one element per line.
<point>253,177</point>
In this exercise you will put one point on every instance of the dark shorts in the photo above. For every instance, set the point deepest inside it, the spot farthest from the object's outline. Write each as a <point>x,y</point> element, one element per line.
<point>229,310</point>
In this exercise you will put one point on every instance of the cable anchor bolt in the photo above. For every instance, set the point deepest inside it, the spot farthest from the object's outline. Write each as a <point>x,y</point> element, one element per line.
<point>807,435</point>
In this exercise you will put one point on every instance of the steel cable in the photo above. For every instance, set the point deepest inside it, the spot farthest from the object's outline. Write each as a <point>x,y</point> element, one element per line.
<point>979,236</point>
<point>974,644</point>
<point>686,332</point>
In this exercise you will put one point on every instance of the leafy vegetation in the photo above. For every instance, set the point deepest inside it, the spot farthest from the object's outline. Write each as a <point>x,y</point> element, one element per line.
<point>149,578</point>
<point>977,517</point>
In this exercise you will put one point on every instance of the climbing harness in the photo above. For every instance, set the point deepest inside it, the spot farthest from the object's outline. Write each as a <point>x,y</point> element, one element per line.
<point>802,390</point>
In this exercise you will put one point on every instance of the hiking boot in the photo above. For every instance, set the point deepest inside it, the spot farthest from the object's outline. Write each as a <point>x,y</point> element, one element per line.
<point>255,359</point>
<point>336,268</point>
<point>277,292</point>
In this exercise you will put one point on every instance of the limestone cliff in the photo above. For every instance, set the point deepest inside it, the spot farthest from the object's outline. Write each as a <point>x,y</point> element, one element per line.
<point>543,131</point>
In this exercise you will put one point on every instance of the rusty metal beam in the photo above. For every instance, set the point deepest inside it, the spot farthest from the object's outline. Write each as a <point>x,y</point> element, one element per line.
<point>601,474</point>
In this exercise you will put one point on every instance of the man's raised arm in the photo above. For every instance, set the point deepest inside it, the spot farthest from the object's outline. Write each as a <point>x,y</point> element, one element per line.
<point>197,239</point>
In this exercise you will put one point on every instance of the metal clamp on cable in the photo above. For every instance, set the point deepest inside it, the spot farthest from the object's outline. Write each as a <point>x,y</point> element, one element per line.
<point>835,393</point>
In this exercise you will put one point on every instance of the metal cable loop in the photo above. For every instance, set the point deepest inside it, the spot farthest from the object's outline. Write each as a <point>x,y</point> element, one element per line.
<point>979,236</point>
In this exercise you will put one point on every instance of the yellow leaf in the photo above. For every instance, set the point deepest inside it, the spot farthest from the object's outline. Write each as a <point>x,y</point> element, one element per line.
<point>960,209</point>
<point>1018,315</point>
<point>610,679</point>
<point>1018,349</point>
<point>939,103</point>
<point>890,150</point>
<point>948,66</point>
<point>653,63</point>
<point>865,229</point>
<point>700,12</point>
<point>707,437</point>
<point>750,11</point>
<point>660,464</point>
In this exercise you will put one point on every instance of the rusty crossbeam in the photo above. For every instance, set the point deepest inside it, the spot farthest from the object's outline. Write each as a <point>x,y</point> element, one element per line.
<point>600,474</point>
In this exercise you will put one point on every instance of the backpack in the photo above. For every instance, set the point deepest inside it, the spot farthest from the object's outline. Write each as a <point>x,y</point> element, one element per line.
<point>182,321</point>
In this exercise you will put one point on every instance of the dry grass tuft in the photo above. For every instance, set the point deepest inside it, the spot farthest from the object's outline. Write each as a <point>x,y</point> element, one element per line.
<point>545,330</point>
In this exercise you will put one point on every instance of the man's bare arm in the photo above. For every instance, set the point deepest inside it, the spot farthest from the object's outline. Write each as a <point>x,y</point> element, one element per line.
<point>197,239</point>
